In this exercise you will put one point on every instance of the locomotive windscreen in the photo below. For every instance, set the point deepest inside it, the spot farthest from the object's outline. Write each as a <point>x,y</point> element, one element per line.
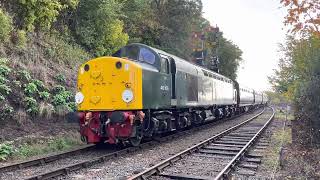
<point>137,53</point>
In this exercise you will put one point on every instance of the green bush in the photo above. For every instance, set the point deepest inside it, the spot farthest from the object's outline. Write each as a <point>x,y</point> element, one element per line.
<point>21,39</point>
<point>31,105</point>
<point>39,84</point>
<point>58,89</point>
<point>4,89</point>
<point>26,150</point>
<point>3,61</point>
<point>4,70</point>
<point>61,78</point>
<point>61,96</point>
<point>5,26</point>
<point>24,75</point>
<point>31,89</point>
<point>3,79</point>
<point>41,14</point>
<point>58,100</point>
<point>72,106</point>
<point>7,111</point>
<point>63,100</point>
<point>1,98</point>
<point>44,95</point>
<point>6,150</point>
<point>98,26</point>
<point>67,95</point>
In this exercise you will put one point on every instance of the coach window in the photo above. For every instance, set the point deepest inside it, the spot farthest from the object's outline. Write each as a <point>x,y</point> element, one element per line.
<point>147,56</point>
<point>164,65</point>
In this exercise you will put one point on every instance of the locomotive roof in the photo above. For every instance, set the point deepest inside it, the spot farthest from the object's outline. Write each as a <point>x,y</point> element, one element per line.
<point>176,58</point>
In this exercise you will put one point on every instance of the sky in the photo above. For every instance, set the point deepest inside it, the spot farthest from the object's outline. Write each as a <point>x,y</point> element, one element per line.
<point>256,26</point>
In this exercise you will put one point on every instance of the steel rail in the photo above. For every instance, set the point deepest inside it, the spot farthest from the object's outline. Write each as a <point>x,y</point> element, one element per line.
<point>158,167</point>
<point>45,159</point>
<point>226,170</point>
<point>67,169</point>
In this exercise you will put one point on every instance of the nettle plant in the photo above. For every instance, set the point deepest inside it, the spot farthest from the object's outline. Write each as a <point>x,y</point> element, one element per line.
<point>63,98</point>
<point>6,149</point>
<point>31,89</point>
<point>32,106</point>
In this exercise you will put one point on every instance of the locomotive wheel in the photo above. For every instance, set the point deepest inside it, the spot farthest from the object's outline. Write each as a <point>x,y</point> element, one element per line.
<point>135,141</point>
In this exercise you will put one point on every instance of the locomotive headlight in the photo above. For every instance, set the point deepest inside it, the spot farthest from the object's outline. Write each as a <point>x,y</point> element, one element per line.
<point>127,95</point>
<point>79,98</point>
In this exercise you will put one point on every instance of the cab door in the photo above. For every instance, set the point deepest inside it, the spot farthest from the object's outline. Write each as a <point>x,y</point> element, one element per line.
<point>165,83</point>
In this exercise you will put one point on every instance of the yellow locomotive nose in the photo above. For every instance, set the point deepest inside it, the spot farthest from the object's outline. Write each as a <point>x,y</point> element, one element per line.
<point>109,83</point>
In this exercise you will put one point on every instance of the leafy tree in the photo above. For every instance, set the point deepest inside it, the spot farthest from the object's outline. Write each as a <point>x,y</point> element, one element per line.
<point>37,15</point>
<point>98,27</point>
<point>140,22</point>
<point>303,16</point>
<point>229,57</point>
<point>176,18</point>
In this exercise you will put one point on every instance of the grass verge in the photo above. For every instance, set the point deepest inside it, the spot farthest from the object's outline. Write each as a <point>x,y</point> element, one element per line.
<point>280,138</point>
<point>8,151</point>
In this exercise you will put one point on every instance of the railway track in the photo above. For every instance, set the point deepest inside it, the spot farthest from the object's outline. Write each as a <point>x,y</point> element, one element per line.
<point>216,157</point>
<point>102,156</point>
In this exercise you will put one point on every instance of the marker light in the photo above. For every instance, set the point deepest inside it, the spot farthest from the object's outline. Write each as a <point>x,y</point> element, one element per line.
<point>79,98</point>
<point>127,95</point>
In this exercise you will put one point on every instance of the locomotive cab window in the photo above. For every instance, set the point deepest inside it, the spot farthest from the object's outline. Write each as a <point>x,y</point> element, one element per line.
<point>137,53</point>
<point>147,56</point>
<point>129,52</point>
<point>164,65</point>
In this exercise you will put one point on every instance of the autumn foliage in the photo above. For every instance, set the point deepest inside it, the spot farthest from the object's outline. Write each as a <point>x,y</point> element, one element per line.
<point>303,16</point>
<point>298,76</point>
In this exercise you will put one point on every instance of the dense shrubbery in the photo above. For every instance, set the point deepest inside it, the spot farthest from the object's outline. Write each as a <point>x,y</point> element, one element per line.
<point>6,111</point>
<point>5,26</point>
<point>37,98</point>
<point>39,14</point>
<point>298,79</point>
